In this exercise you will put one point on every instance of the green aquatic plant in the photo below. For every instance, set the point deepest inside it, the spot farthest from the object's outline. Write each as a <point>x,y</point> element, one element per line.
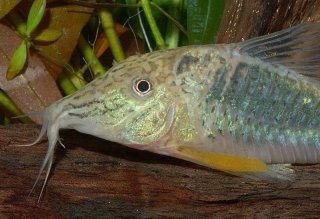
<point>158,24</point>
<point>29,36</point>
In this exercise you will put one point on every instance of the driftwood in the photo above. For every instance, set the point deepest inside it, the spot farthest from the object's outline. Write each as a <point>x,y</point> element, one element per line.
<point>94,178</point>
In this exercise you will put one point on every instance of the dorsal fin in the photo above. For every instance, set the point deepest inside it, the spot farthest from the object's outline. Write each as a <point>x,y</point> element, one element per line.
<point>297,48</point>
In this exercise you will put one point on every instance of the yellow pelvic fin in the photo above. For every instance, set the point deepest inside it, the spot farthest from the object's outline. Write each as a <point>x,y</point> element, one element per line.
<point>222,161</point>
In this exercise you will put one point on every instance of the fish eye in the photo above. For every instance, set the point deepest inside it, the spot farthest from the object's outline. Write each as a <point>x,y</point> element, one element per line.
<point>142,87</point>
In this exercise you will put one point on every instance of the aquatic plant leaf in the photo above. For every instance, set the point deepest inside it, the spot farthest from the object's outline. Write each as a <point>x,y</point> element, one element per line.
<point>6,6</point>
<point>70,19</point>
<point>48,35</point>
<point>33,90</point>
<point>17,61</point>
<point>203,20</point>
<point>35,15</point>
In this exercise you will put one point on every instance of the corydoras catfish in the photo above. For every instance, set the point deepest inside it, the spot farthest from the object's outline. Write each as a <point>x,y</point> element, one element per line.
<point>250,109</point>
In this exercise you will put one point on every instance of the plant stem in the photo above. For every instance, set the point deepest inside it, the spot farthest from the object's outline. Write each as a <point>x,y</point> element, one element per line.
<point>177,23</point>
<point>88,54</point>
<point>66,85</point>
<point>111,34</point>
<point>7,103</point>
<point>152,23</point>
<point>172,33</point>
<point>77,79</point>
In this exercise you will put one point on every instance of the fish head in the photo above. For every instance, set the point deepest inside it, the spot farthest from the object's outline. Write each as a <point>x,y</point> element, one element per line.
<point>143,101</point>
<point>133,104</point>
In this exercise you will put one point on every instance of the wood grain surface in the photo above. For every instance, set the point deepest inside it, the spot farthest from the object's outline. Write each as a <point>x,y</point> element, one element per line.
<point>245,19</point>
<point>94,178</point>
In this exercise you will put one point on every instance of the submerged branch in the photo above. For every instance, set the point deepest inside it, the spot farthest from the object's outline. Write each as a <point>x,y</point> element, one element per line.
<point>94,178</point>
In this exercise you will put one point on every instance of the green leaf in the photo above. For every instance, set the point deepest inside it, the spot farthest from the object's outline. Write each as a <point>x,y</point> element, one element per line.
<point>17,61</point>
<point>18,22</point>
<point>203,20</point>
<point>6,6</point>
<point>48,35</point>
<point>35,15</point>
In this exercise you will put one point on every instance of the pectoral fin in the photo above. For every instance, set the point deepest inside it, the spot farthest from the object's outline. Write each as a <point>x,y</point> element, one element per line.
<point>237,165</point>
<point>225,162</point>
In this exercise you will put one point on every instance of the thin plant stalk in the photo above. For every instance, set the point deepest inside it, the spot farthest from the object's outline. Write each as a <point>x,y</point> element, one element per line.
<point>90,57</point>
<point>66,85</point>
<point>144,31</point>
<point>77,79</point>
<point>111,34</point>
<point>152,23</point>
<point>173,33</point>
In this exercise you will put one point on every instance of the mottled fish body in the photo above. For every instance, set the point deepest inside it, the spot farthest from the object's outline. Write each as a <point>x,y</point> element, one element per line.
<point>243,108</point>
